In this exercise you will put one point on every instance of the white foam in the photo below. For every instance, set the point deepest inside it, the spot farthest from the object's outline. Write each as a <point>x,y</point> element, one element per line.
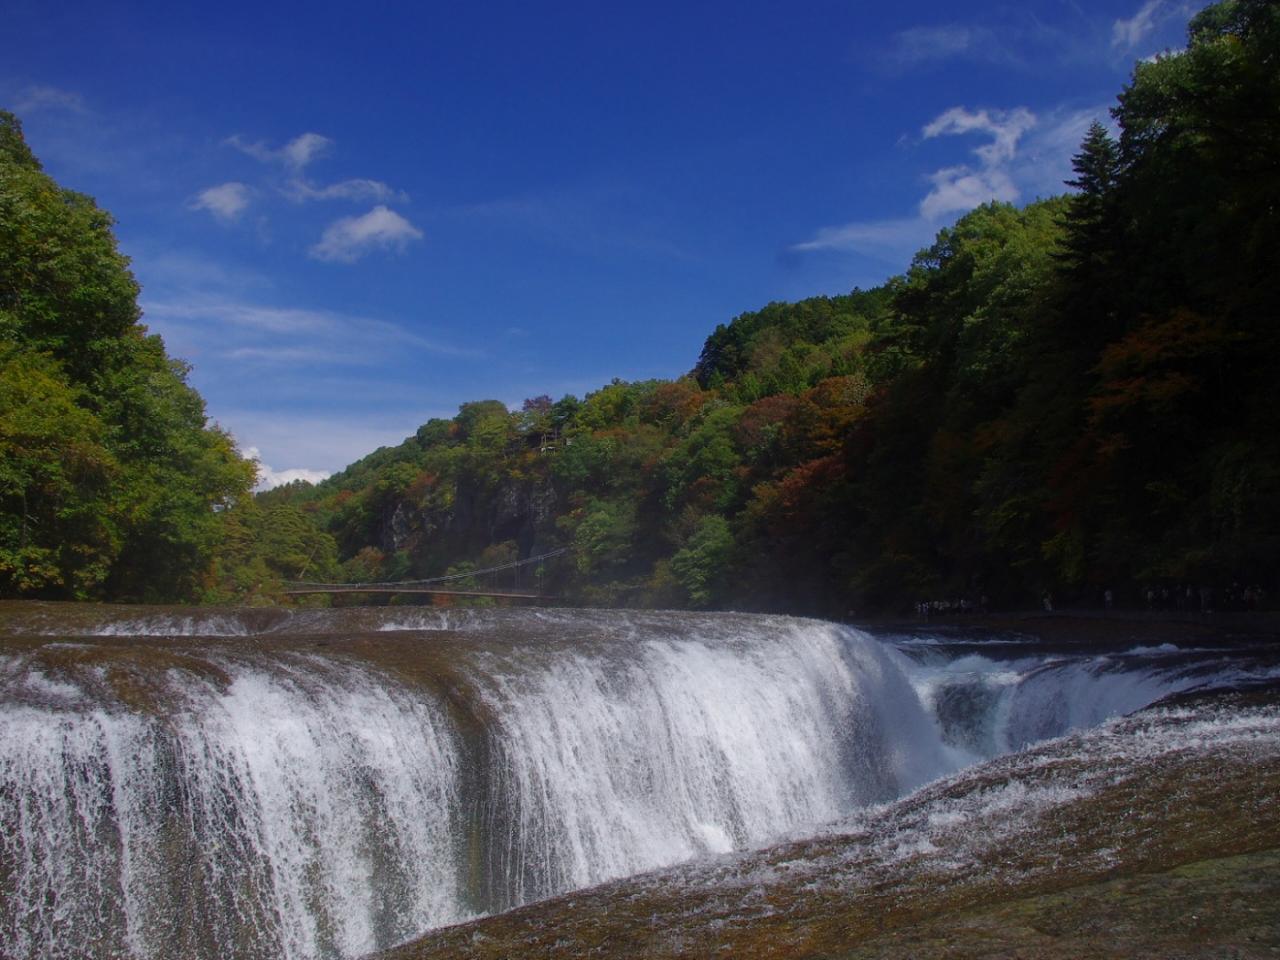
<point>313,806</point>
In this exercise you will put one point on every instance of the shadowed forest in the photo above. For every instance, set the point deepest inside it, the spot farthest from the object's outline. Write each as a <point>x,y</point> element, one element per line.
<point>1072,396</point>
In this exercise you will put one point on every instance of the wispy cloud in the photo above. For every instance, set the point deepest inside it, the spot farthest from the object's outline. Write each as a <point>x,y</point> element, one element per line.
<point>1024,155</point>
<point>963,187</point>
<point>300,151</point>
<point>919,46</point>
<point>298,154</point>
<point>1014,37</point>
<point>178,270</point>
<point>343,241</point>
<point>1042,162</point>
<point>1152,18</point>
<point>318,444</point>
<point>226,201</point>
<point>1006,127</point>
<point>932,43</point>
<point>301,190</point>
<point>216,329</point>
<point>593,218</point>
<point>295,155</point>
<point>892,240</point>
<point>312,388</point>
<point>216,311</point>
<point>1033,38</point>
<point>350,238</point>
<point>1127,34</point>
<point>957,189</point>
<point>42,97</point>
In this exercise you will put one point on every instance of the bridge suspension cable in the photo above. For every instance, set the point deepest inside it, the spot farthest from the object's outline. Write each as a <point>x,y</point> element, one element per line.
<point>448,578</point>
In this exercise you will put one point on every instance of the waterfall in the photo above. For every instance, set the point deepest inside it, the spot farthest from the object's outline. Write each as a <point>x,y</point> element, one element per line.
<point>986,703</point>
<point>300,809</point>
<point>330,783</point>
<point>671,747</point>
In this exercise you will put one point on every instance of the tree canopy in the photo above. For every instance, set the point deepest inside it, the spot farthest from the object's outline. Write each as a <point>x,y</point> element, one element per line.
<point>1075,395</point>
<point>112,479</point>
<point>1072,395</point>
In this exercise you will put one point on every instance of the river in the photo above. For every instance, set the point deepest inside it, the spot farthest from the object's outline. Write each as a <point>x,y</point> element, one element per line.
<point>244,784</point>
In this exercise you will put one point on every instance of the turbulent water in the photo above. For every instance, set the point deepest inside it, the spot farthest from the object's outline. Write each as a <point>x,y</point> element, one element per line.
<point>330,783</point>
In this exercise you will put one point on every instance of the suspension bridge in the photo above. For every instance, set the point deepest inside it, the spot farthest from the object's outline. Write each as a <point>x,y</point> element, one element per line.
<point>504,582</point>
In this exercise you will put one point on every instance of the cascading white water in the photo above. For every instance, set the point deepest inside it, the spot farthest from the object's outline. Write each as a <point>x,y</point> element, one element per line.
<point>345,789</point>
<point>987,704</point>
<point>336,782</point>
<point>671,747</point>
<point>299,810</point>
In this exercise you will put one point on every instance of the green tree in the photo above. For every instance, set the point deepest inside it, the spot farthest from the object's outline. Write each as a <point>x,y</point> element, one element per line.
<point>702,565</point>
<point>132,497</point>
<point>59,529</point>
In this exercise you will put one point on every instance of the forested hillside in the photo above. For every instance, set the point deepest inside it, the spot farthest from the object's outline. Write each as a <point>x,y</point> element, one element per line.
<point>110,478</point>
<point>1077,395</point>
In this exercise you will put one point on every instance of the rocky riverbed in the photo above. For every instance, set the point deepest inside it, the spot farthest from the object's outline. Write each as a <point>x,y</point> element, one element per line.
<point>1152,836</point>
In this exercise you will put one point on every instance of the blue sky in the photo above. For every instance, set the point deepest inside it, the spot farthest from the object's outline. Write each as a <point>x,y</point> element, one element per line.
<point>352,218</point>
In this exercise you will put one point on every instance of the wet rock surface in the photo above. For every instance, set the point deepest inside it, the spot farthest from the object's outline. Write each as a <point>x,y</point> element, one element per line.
<point>1154,836</point>
<point>325,783</point>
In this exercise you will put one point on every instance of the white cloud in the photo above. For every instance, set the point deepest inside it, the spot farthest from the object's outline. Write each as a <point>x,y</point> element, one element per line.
<point>300,151</point>
<point>891,239</point>
<point>1011,36</point>
<point>932,43</point>
<point>1025,156</point>
<point>310,388</point>
<point>326,442</point>
<point>226,201</point>
<point>922,45</point>
<point>36,98</point>
<point>356,189</point>
<point>1126,34</point>
<point>296,155</point>
<point>257,149</point>
<point>213,327</point>
<point>1043,160</point>
<point>1161,54</point>
<point>1153,17</point>
<point>269,477</point>
<point>1006,128</point>
<point>343,241</point>
<point>172,269</point>
<point>958,189</point>
<point>296,356</point>
<point>962,187</point>
<point>290,321</point>
<point>350,238</point>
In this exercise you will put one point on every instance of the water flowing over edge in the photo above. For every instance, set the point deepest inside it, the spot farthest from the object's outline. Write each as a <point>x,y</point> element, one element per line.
<point>1006,858</point>
<point>322,805</point>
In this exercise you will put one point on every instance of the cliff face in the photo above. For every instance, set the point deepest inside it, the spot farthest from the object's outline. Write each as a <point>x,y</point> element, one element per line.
<point>514,514</point>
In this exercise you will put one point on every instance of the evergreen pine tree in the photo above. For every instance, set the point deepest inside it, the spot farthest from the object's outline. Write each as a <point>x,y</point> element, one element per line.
<point>1090,223</point>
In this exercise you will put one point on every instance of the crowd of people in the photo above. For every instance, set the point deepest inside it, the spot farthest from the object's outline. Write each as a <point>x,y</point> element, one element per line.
<point>1204,598</point>
<point>946,608</point>
<point>1181,597</point>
